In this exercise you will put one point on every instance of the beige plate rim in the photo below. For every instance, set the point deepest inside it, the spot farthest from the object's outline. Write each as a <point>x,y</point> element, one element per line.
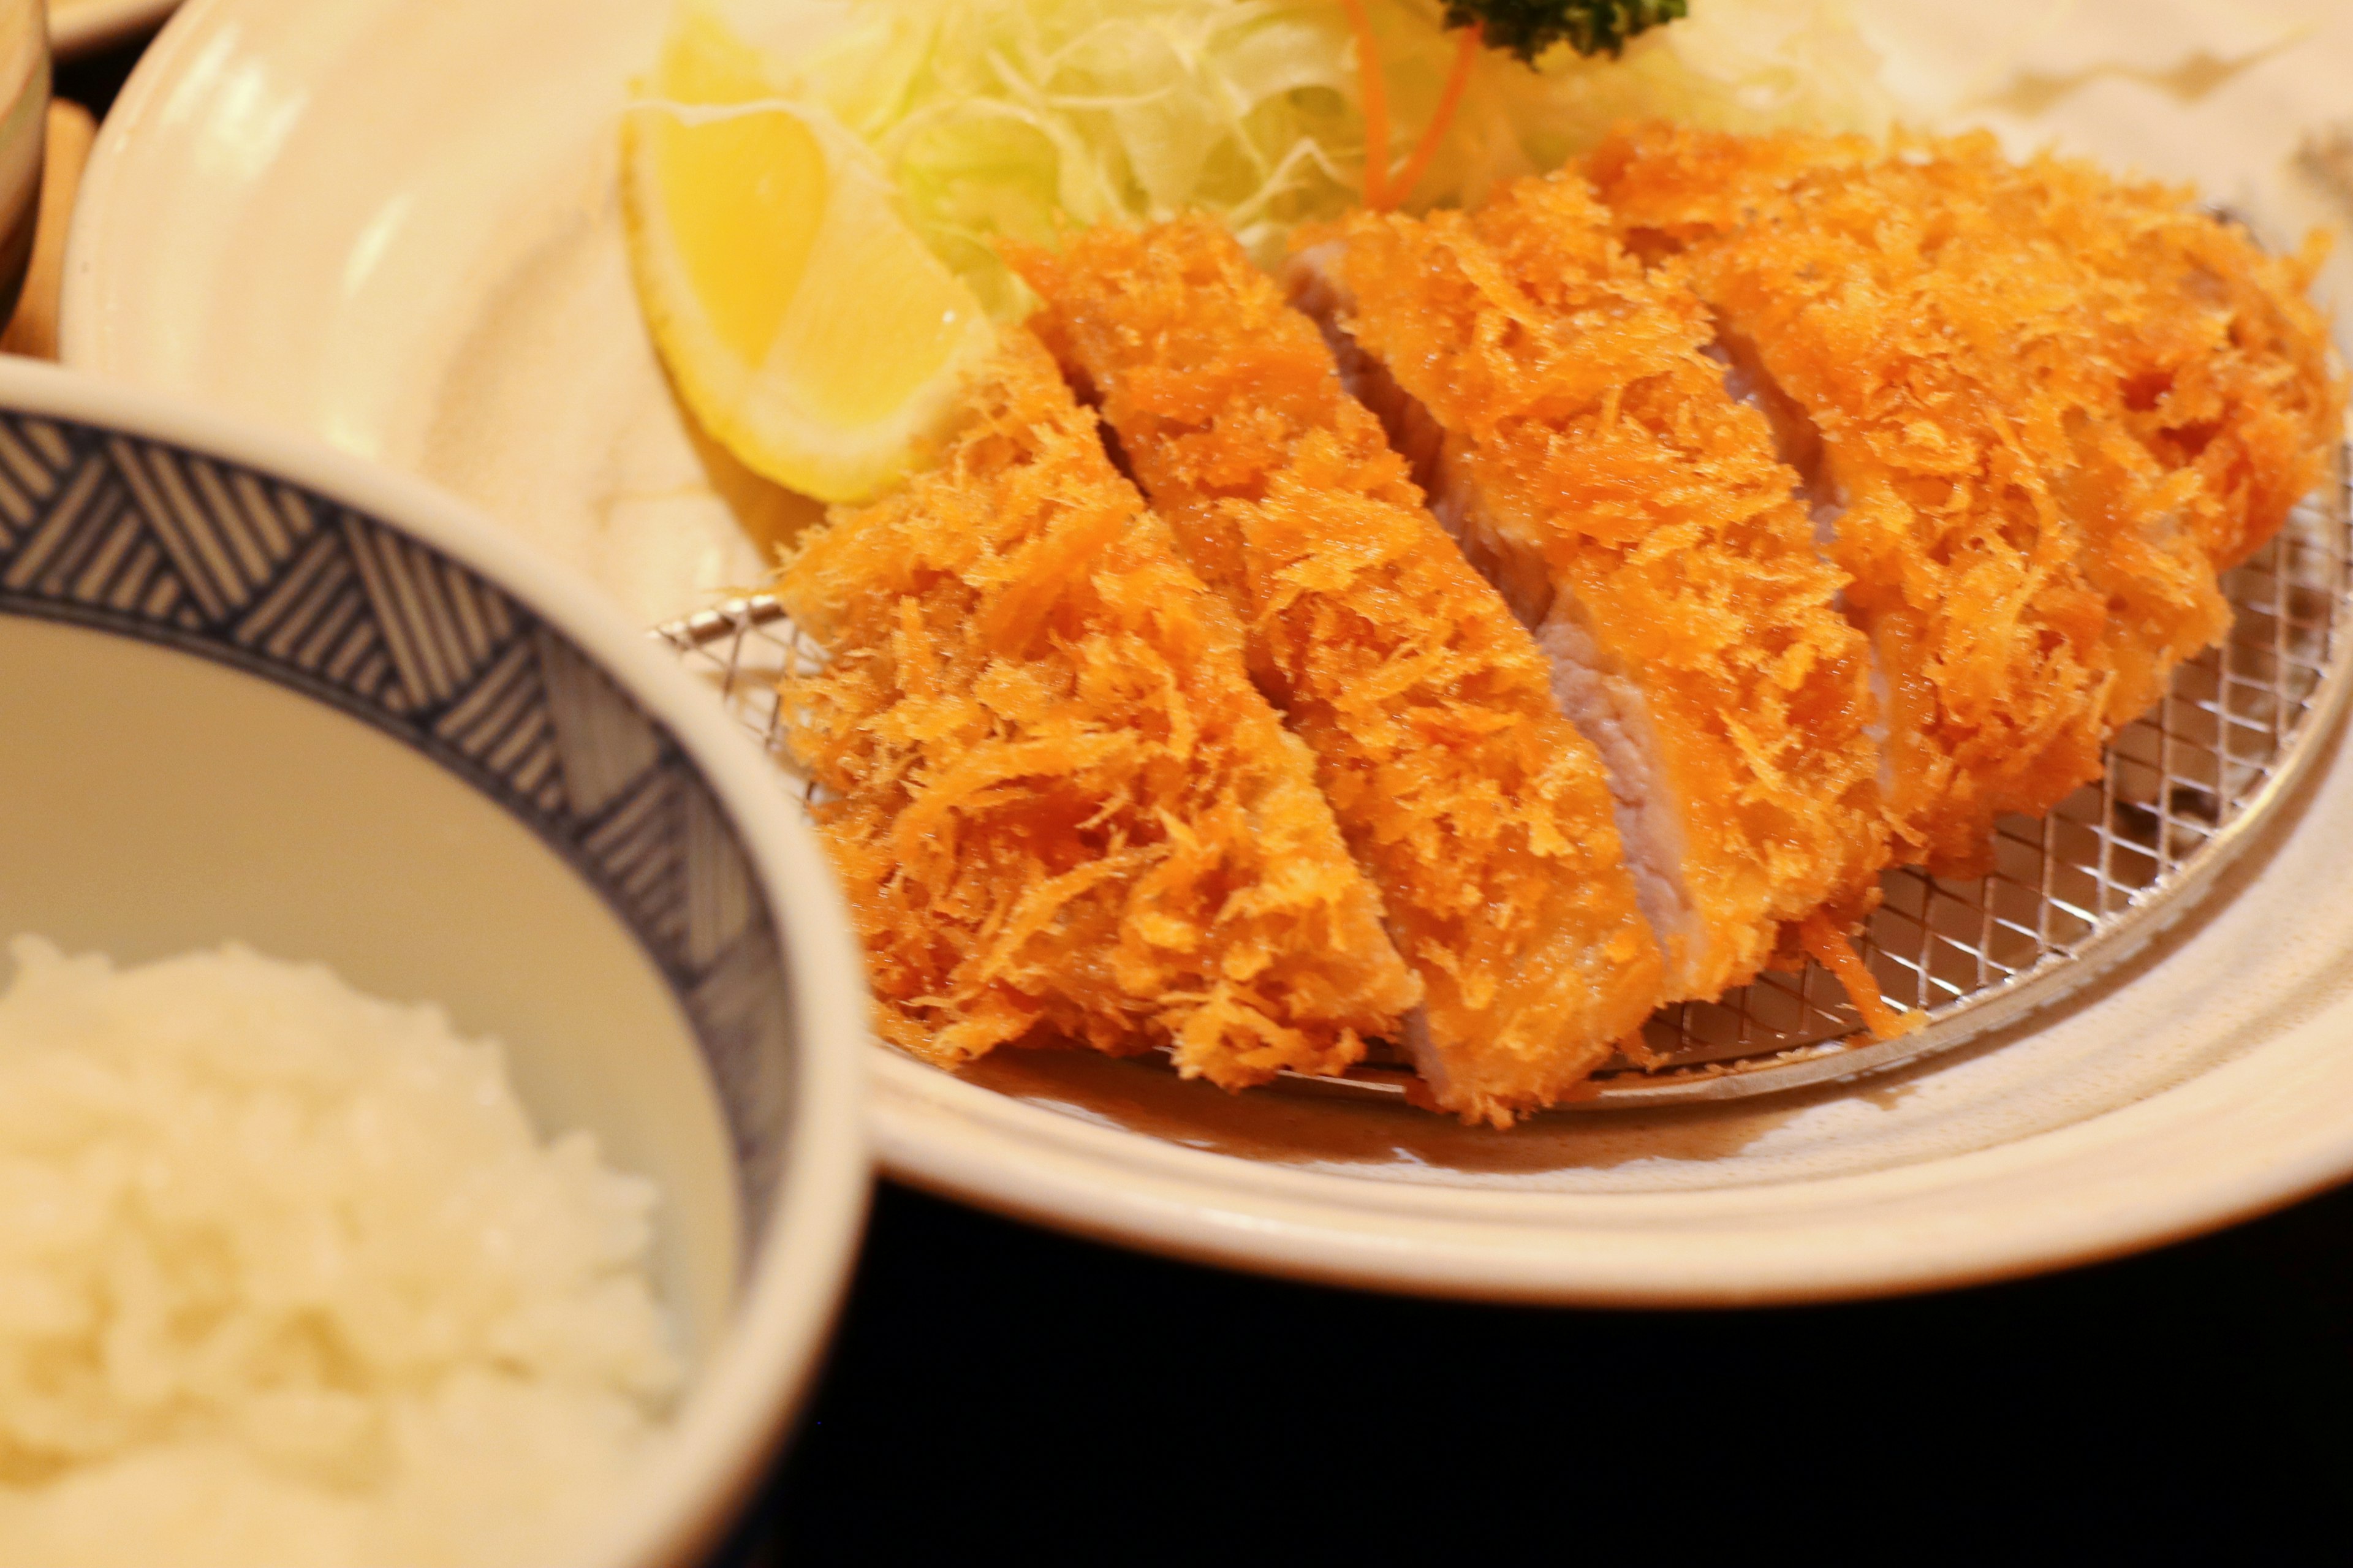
<point>82,27</point>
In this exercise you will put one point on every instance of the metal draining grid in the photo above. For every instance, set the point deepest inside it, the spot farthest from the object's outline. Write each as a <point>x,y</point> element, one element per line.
<point>2084,887</point>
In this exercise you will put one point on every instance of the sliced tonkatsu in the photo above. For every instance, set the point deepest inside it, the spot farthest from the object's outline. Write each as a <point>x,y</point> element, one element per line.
<point>2037,408</point>
<point>1063,813</point>
<point>1573,430</point>
<point>2229,376</point>
<point>1484,817</point>
<point>1619,579</point>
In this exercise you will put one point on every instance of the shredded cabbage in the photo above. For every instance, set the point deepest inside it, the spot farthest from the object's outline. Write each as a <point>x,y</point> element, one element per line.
<point>1020,116</point>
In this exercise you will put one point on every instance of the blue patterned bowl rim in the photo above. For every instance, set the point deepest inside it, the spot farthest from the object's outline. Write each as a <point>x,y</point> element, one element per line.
<point>388,600</point>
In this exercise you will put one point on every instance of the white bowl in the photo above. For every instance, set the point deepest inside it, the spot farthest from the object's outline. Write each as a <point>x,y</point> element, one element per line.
<point>256,690</point>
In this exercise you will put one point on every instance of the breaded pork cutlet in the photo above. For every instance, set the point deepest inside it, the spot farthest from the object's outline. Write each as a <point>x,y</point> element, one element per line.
<point>2230,379</point>
<point>2038,406</point>
<point>1575,434</point>
<point>1481,814</point>
<point>1063,815</point>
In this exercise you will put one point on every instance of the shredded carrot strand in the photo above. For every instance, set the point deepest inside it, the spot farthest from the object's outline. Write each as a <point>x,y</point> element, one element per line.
<point>1834,953</point>
<point>1373,88</point>
<point>1466,52</point>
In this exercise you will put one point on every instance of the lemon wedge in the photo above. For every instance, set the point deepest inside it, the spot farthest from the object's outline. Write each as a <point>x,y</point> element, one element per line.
<point>805,325</point>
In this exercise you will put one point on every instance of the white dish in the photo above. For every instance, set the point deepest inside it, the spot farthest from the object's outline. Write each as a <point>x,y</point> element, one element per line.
<point>453,301</point>
<point>259,691</point>
<point>80,27</point>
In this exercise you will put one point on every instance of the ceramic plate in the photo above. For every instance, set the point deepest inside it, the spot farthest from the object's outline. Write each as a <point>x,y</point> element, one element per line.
<point>453,300</point>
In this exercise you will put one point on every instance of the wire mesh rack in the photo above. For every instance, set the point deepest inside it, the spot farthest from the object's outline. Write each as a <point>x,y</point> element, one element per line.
<point>2070,895</point>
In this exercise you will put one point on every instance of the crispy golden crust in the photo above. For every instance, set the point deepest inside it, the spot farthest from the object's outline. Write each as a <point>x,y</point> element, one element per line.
<point>2052,403</point>
<point>2211,351</point>
<point>1064,814</point>
<point>1482,816</point>
<point>2230,381</point>
<point>1597,436</point>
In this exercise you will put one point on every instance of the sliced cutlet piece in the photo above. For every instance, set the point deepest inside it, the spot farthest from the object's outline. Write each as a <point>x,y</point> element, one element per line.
<point>1926,322</point>
<point>1575,432</point>
<point>2229,376</point>
<point>1482,816</point>
<point>2209,349</point>
<point>1062,812</point>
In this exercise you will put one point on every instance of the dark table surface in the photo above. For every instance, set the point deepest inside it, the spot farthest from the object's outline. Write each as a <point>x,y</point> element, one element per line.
<point>996,1387</point>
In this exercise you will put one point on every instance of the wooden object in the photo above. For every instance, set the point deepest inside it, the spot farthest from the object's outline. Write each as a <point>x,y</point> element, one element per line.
<point>33,330</point>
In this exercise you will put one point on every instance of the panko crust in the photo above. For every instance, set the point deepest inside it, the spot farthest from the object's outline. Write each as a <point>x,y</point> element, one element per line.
<point>1482,816</point>
<point>2052,403</point>
<point>1573,388</point>
<point>1061,812</point>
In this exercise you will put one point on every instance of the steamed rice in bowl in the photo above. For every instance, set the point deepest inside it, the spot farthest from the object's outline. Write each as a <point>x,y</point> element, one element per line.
<point>289,1278</point>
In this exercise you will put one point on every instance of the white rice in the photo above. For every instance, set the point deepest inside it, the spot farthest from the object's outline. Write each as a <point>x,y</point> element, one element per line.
<point>287,1277</point>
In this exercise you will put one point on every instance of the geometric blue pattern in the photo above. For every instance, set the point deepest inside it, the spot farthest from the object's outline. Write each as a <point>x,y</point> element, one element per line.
<point>147,540</point>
